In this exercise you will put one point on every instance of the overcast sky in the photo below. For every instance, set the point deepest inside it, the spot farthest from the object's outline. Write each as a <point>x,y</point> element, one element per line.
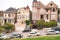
<point>5,4</point>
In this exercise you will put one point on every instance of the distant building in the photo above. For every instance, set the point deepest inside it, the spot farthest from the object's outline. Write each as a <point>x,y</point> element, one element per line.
<point>9,15</point>
<point>47,12</point>
<point>1,17</point>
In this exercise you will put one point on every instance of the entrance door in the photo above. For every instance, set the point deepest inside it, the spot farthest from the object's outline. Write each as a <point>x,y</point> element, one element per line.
<point>5,21</point>
<point>41,17</point>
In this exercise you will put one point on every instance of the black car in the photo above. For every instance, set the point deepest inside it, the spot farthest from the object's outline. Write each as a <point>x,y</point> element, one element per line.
<point>56,28</point>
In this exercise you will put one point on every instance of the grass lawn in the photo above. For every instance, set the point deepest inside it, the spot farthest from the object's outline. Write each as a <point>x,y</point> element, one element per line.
<point>40,38</point>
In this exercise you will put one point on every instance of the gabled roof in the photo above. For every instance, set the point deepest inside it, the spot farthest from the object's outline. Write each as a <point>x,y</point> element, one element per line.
<point>40,4</point>
<point>11,9</point>
<point>34,0</point>
<point>52,3</point>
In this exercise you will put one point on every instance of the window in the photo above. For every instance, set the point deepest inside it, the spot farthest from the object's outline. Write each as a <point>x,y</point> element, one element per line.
<point>39,4</point>
<point>46,10</point>
<point>41,16</point>
<point>53,10</point>
<point>51,4</point>
<point>9,20</point>
<point>52,16</point>
<point>47,16</point>
<point>8,15</point>
<point>34,10</point>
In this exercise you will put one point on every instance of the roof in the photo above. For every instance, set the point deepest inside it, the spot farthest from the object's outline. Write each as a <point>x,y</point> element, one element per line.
<point>51,2</point>
<point>34,0</point>
<point>11,9</point>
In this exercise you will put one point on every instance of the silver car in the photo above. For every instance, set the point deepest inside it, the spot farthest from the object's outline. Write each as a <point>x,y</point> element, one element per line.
<point>33,33</point>
<point>53,32</point>
<point>4,36</point>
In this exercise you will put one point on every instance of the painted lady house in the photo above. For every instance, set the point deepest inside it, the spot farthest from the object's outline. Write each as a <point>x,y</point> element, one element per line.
<point>9,15</point>
<point>23,14</point>
<point>47,12</point>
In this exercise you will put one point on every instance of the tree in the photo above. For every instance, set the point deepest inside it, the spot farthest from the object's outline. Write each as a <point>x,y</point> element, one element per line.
<point>31,25</point>
<point>9,27</point>
<point>39,24</point>
<point>27,22</point>
<point>2,29</point>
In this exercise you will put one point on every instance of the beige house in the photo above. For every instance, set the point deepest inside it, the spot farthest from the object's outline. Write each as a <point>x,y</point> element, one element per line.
<point>9,15</point>
<point>23,14</point>
<point>47,12</point>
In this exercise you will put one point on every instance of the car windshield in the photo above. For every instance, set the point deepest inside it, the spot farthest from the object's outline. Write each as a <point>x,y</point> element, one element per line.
<point>33,32</point>
<point>52,31</point>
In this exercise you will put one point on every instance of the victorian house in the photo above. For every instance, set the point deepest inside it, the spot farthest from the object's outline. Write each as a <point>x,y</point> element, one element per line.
<point>9,15</point>
<point>23,14</point>
<point>47,12</point>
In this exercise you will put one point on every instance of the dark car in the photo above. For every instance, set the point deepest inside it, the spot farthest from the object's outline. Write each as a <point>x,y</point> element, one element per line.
<point>56,28</point>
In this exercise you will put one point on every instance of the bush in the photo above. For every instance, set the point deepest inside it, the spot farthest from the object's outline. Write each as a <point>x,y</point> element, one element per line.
<point>31,26</point>
<point>51,24</point>
<point>9,27</point>
<point>40,24</point>
<point>2,29</point>
<point>27,22</point>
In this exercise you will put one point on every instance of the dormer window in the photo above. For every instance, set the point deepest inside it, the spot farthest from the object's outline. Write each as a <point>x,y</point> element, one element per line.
<point>51,4</point>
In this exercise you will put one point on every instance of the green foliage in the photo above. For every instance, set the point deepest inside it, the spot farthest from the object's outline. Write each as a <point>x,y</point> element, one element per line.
<point>2,29</point>
<point>27,22</point>
<point>51,24</point>
<point>9,27</point>
<point>39,24</point>
<point>31,25</point>
<point>4,39</point>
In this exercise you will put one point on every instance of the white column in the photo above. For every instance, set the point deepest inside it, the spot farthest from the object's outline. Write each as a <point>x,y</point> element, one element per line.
<point>3,22</point>
<point>7,20</point>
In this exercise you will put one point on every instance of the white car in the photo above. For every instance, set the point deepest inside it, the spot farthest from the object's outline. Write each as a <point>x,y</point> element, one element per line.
<point>4,36</point>
<point>33,33</point>
<point>53,32</point>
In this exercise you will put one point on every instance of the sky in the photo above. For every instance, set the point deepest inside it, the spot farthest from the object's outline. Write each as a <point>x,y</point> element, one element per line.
<point>5,4</point>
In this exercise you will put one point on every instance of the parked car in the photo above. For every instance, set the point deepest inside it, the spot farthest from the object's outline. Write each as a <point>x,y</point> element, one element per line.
<point>3,35</point>
<point>57,32</point>
<point>16,35</point>
<point>33,33</point>
<point>51,32</point>
<point>26,30</point>
<point>56,28</point>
